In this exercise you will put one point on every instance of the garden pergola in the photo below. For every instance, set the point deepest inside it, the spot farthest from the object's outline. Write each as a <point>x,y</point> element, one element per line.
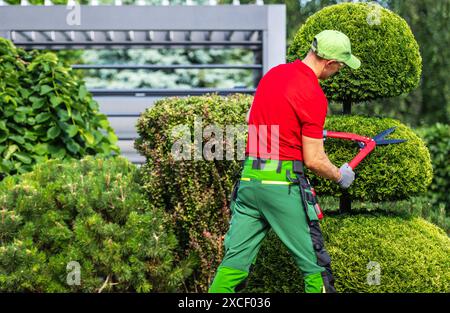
<point>260,28</point>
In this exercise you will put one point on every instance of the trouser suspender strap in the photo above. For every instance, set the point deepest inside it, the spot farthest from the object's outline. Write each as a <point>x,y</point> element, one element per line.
<point>303,184</point>
<point>236,184</point>
<point>297,167</point>
<point>279,166</point>
<point>258,164</point>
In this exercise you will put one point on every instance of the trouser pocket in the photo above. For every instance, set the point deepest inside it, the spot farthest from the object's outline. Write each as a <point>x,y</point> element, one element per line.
<point>309,200</point>
<point>310,205</point>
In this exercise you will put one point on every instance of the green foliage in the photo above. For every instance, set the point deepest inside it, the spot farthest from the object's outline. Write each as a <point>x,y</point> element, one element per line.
<point>91,211</point>
<point>430,102</point>
<point>437,138</point>
<point>413,255</point>
<point>390,59</point>
<point>196,193</point>
<point>428,19</point>
<point>391,172</point>
<point>179,78</point>
<point>45,112</point>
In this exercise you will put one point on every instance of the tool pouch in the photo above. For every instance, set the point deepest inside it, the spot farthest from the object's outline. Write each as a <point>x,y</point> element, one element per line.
<point>309,197</point>
<point>310,203</point>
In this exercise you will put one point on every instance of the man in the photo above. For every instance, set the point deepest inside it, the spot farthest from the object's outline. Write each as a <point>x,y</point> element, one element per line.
<point>289,96</point>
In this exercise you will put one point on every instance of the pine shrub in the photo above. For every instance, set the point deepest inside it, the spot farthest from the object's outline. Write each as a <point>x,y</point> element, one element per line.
<point>88,215</point>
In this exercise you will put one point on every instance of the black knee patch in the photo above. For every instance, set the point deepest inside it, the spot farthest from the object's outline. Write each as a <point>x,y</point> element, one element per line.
<point>243,284</point>
<point>323,258</point>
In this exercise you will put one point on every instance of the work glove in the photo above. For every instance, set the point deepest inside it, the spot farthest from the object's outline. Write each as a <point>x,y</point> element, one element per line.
<point>347,176</point>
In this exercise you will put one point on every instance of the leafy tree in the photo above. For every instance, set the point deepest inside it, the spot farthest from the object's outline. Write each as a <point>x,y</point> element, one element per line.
<point>45,112</point>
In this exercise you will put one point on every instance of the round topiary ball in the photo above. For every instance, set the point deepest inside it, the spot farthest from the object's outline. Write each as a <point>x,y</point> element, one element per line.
<point>390,172</point>
<point>390,59</point>
<point>369,253</point>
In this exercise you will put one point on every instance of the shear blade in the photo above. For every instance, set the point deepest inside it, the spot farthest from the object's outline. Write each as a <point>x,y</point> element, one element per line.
<point>383,134</point>
<point>389,141</point>
<point>379,139</point>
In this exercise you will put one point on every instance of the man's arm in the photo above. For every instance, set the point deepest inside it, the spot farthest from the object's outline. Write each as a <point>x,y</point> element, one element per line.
<point>317,161</point>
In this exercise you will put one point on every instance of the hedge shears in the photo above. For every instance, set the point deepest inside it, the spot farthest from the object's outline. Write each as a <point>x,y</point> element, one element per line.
<point>366,144</point>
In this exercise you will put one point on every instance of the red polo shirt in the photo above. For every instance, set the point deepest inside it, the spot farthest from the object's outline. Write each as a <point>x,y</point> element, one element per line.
<point>288,95</point>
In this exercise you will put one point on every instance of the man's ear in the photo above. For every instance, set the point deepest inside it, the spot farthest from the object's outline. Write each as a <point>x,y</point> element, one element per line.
<point>329,62</point>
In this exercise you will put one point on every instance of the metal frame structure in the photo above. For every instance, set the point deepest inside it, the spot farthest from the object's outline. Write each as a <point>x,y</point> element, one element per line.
<point>260,28</point>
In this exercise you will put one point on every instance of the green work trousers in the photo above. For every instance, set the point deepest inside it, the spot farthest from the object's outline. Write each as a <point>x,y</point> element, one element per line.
<point>259,205</point>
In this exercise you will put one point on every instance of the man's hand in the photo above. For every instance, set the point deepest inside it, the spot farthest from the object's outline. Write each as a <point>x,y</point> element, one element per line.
<point>347,176</point>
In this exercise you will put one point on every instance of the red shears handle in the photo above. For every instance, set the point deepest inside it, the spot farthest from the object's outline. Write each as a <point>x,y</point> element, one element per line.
<point>369,144</point>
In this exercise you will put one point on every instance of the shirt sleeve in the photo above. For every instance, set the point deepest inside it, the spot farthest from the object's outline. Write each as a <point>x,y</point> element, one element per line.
<point>311,112</point>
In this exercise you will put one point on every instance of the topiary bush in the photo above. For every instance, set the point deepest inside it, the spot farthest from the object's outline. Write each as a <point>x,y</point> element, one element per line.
<point>90,211</point>
<point>46,112</point>
<point>410,255</point>
<point>196,193</point>
<point>391,172</point>
<point>390,59</point>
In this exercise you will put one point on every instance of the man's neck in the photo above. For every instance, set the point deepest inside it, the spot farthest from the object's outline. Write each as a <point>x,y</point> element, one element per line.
<point>310,62</point>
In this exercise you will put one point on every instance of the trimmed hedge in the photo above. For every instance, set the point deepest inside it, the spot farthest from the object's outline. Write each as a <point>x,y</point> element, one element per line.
<point>90,211</point>
<point>390,59</point>
<point>413,255</point>
<point>437,138</point>
<point>46,112</point>
<point>196,193</point>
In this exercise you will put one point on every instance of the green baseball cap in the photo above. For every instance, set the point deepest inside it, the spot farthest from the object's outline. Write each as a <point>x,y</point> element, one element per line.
<point>334,45</point>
